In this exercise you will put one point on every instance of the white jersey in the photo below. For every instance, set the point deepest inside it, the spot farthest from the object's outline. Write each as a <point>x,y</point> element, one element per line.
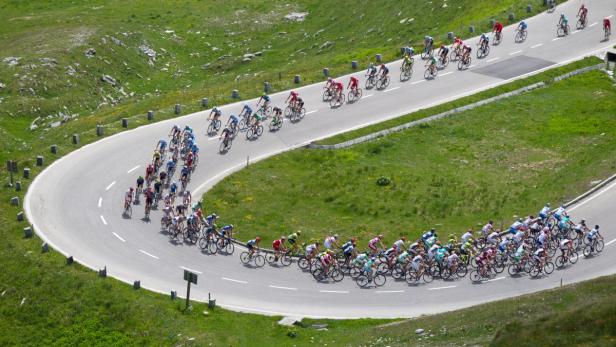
<point>329,241</point>
<point>467,236</point>
<point>453,258</point>
<point>564,244</point>
<point>487,228</point>
<point>545,210</point>
<point>559,211</point>
<point>493,236</point>
<point>519,235</point>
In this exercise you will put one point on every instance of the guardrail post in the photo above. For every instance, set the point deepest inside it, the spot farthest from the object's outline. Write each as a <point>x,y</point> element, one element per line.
<point>15,201</point>
<point>28,232</point>
<point>75,139</point>
<point>325,72</point>
<point>511,17</point>
<point>26,172</point>
<point>99,130</point>
<point>235,94</point>
<point>205,102</point>
<point>354,65</point>
<point>39,160</point>
<point>379,58</point>
<point>54,149</point>
<point>69,260</point>
<point>20,217</point>
<point>102,272</point>
<point>471,29</point>
<point>450,35</point>
<point>174,295</point>
<point>44,247</point>
<point>267,87</point>
<point>17,186</point>
<point>297,79</point>
<point>124,122</point>
<point>178,108</point>
<point>529,8</point>
<point>150,115</point>
<point>136,284</point>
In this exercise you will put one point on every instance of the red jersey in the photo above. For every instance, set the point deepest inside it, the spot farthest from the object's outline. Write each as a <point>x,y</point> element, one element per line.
<point>276,244</point>
<point>354,81</point>
<point>606,23</point>
<point>498,27</point>
<point>339,85</point>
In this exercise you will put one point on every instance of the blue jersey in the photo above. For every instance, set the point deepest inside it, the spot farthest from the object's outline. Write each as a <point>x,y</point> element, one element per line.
<point>265,98</point>
<point>247,109</point>
<point>173,188</point>
<point>209,219</point>
<point>194,149</point>
<point>188,129</point>
<point>162,144</point>
<point>226,228</point>
<point>234,119</point>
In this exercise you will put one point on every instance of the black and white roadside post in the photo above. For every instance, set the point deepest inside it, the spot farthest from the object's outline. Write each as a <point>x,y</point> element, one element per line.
<point>11,166</point>
<point>190,278</point>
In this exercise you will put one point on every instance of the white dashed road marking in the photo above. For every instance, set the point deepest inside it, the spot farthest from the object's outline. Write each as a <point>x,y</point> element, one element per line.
<point>389,291</point>
<point>416,82</point>
<point>447,73</point>
<point>537,45</point>
<point>148,254</point>
<point>493,59</point>
<point>335,291</point>
<point>100,201</point>
<point>497,279</point>
<point>390,89</point>
<point>439,288</point>
<point>609,243</point>
<point>232,280</point>
<point>593,24</point>
<point>556,39</point>
<point>110,185</point>
<point>310,112</point>
<point>119,237</point>
<point>516,52</point>
<point>283,288</point>
<point>103,220</point>
<point>191,270</point>
<point>133,169</point>
<point>367,96</point>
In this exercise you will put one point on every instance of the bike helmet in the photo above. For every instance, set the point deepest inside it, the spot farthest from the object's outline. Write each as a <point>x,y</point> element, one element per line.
<point>442,45</point>
<point>336,236</point>
<point>131,189</point>
<point>187,192</point>
<point>583,221</point>
<point>330,252</point>
<point>562,15</point>
<point>380,236</point>
<point>382,65</point>
<point>282,238</point>
<point>329,79</point>
<point>257,238</point>
<point>299,232</point>
<point>597,227</point>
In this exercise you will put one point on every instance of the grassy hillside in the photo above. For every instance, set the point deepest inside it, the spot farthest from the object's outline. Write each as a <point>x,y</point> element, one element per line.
<point>496,161</point>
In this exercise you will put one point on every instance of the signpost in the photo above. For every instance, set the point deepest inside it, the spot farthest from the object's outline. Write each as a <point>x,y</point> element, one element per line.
<point>11,166</point>
<point>190,278</point>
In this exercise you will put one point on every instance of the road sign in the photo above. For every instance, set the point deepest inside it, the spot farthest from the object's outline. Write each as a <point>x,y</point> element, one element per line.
<point>190,277</point>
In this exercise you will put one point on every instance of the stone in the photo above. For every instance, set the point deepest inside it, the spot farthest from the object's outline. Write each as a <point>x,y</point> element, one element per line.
<point>2,85</point>
<point>108,79</point>
<point>246,60</point>
<point>296,16</point>
<point>148,51</point>
<point>90,52</point>
<point>249,56</point>
<point>258,54</point>
<point>289,321</point>
<point>11,61</point>
<point>267,87</point>
<point>174,295</point>
<point>419,331</point>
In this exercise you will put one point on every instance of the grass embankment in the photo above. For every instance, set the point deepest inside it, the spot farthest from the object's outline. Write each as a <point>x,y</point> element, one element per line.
<point>496,161</point>
<point>45,302</point>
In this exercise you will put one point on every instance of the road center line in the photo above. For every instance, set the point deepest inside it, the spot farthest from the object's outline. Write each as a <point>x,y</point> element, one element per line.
<point>447,73</point>
<point>367,96</point>
<point>100,202</point>
<point>609,243</point>
<point>556,39</point>
<point>593,24</point>
<point>119,237</point>
<point>390,89</point>
<point>103,219</point>
<point>310,112</point>
<point>110,185</point>
<point>148,254</point>
<point>335,291</point>
<point>284,288</point>
<point>133,169</point>
<point>416,82</point>
<point>439,288</point>
<point>493,59</point>
<point>516,52</point>
<point>537,45</point>
<point>389,291</point>
<point>232,280</point>
<point>191,270</point>
<point>497,279</point>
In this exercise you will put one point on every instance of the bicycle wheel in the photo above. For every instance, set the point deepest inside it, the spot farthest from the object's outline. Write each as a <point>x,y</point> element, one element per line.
<point>411,277</point>
<point>303,263</point>
<point>270,258</point>
<point>210,128</point>
<point>513,270</point>
<point>428,74</point>
<point>549,267</point>
<point>475,277</point>
<point>259,130</point>
<point>461,271</point>
<point>250,133</point>
<point>386,82</point>
<point>560,32</point>
<point>229,248</point>
<point>379,280</point>
<point>560,262</point>
<point>317,273</point>
<point>599,246</point>
<point>286,259</point>
<point>445,273</point>
<point>221,243</point>
<point>288,111</point>
<point>202,243</point>
<point>362,280</point>
<point>354,272</point>
<point>427,277</point>
<point>535,271</point>
<point>211,246</point>
<point>573,257</point>
<point>243,124</point>
<point>397,272</point>
<point>333,102</point>
<point>337,275</point>
<point>244,258</point>
<point>587,251</point>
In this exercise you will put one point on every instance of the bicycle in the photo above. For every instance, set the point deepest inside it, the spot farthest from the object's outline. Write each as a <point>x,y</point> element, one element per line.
<point>370,81</point>
<point>581,23</point>
<point>431,72</point>
<point>176,232</point>
<point>562,30</point>
<point>354,95</point>
<point>607,32</point>
<point>427,52</point>
<point>224,244</point>
<point>214,126</point>
<point>191,233</point>
<point>328,94</point>
<point>521,35</point>
<point>333,272</point>
<point>304,263</point>
<point>256,257</point>
<point>148,208</point>
<point>465,62</point>
<point>128,209</point>
<point>382,82</point>
<point>264,111</point>
<point>498,38</point>
<point>483,50</point>
<point>537,268</point>
<point>456,53</point>
<point>276,123</point>
<point>413,276</point>
<point>225,144</point>
<point>284,258</point>
<point>569,257</point>
<point>208,243</point>
<point>254,131</point>
<point>518,267</point>
<point>406,71</point>
<point>296,114</point>
<point>366,278</point>
<point>593,248</point>
<point>443,61</point>
<point>337,101</point>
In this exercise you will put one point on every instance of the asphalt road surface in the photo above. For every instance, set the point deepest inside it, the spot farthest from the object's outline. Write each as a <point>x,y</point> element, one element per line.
<point>76,203</point>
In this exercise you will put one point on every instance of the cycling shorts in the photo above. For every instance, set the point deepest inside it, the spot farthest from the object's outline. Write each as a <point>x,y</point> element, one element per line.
<point>372,247</point>
<point>250,246</point>
<point>291,241</point>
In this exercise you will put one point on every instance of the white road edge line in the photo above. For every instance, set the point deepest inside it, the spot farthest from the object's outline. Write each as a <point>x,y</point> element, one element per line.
<point>334,291</point>
<point>416,82</point>
<point>516,52</point>
<point>439,288</point>
<point>390,89</point>
<point>284,288</point>
<point>191,270</point>
<point>537,45</point>
<point>119,237</point>
<point>609,243</point>
<point>592,197</point>
<point>110,185</point>
<point>575,32</point>
<point>389,291</point>
<point>232,280</point>
<point>593,24</point>
<point>148,254</point>
<point>493,59</point>
<point>103,219</point>
<point>497,279</point>
<point>313,111</point>
<point>133,169</point>
<point>447,73</point>
<point>100,202</point>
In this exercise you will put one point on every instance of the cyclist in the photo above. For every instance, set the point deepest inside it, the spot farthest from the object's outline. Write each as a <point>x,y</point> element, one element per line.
<point>353,82</point>
<point>415,248</point>
<point>517,225</point>
<point>565,246</point>
<point>253,245</point>
<point>520,252</point>
<point>360,259</point>
<point>158,187</point>
<point>418,262</point>
<point>560,212</point>
<point>266,101</point>
<point>162,176</point>
<point>497,29</point>
<point>384,70</point>
<point>246,111</point>
<point>209,220</point>
<point>226,134</point>
<point>466,52</point>
<point>175,130</point>
<point>128,198</point>
<point>256,120</point>
<point>504,244</point>
<point>292,98</point>
<point>161,145</point>
<point>294,240</point>
<point>330,83</point>
<point>493,238</point>
<point>432,250</point>
<point>582,12</point>
<point>607,26</point>
<point>214,114</point>
<point>440,254</point>
<point>581,228</point>
<point>348,249</point>
<point>331,241</point>
<point>428,234</point>
<point>409,51</point>
<point>443,52</point>
<point>399,245</point>
<point>483,41</point>
<point>487,229</point>
<point>187,198</point>
<point>372,244</point>
<point>467,236</point>
<point>232,121</point>
<point>338,88</point>
<point>522,26</point>
<point>592,236</point>
<point>428,43</point>
<point>407,63</point>
<point>369,266</point>
<point>140,181</point>
<point>227,231</point>
<point>326,260</point>
<point>299,104</point>
<point>563,22</point>
<point>149,197</point>
<point>278,246</point>
<point>539,256</point>
<point>312,250</point>
<point>149,171</point>
<point>173,188</point>
<point>545,211</point>
<point>372,70</point>
<point>403,259</point>
<point>431,63</point>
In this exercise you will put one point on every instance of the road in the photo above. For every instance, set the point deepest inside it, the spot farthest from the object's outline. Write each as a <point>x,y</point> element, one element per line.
<point>76,203</point>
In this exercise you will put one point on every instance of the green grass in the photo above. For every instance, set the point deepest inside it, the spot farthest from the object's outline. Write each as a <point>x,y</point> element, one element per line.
<point>496,161</point>
<point>70,305</point>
